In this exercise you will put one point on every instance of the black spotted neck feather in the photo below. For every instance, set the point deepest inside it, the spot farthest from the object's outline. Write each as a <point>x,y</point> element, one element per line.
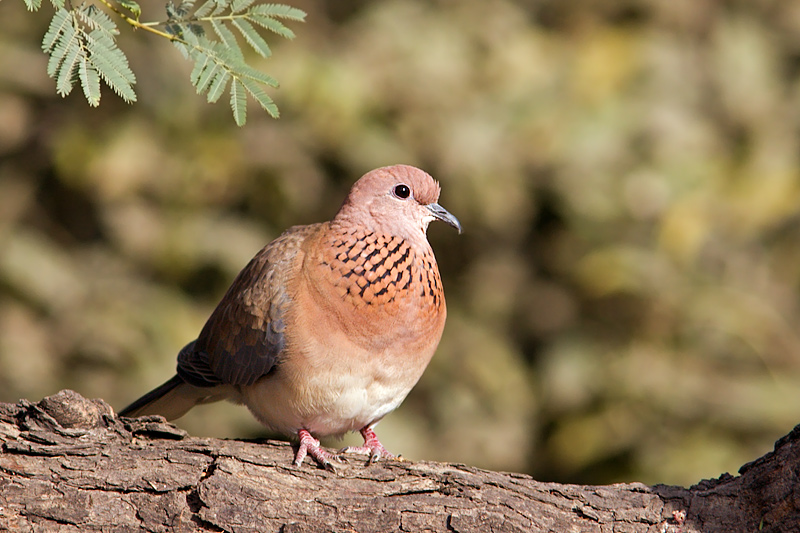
<point>372,269</point>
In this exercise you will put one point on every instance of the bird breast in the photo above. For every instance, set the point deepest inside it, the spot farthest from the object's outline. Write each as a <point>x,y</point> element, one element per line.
<point>381,272</point>
<point>382,291</point>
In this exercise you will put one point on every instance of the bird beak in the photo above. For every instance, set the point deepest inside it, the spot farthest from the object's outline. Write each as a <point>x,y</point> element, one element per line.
<point>444,215</point>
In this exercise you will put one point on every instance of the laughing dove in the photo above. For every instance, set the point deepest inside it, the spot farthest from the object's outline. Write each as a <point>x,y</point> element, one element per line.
<point>329,326</point>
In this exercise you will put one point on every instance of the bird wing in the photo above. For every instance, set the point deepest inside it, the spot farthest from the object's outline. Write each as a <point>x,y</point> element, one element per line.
<point>243,338</point>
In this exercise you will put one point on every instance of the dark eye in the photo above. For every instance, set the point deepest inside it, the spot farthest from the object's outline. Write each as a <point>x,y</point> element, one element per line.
<point>402,191</point>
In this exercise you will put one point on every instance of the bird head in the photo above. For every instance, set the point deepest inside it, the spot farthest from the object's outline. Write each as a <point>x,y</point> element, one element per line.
<point>397,200</point>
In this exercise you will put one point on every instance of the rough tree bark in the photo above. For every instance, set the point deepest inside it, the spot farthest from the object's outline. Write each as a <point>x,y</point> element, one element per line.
<point>70,464</point>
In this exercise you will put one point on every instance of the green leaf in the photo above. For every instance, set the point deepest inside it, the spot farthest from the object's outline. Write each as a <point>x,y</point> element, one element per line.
<point>280,11</point>
<point>90,81</point>
<point>238,6</point>
<point>60,24</point>
<point>207,77</point>
<point>219,63</point>
<point>252,37</point>
<point>33,5</point>
<point>76,55</point>
<point>111,64</point>
<point>271,24</point>
<point>97,20</point>
<point>228,38</point>
<point>180,10</point>
<point>68,70</point>
<point>187,34</point>
<point>261,97</point>
<point>257,76</point>
<point>182,47</point>
<point>172,10</point>
<point>60,50</point>
<point>131,6</point>
<point>218,86</point>
<point>201,65</point>
<point>205,9</point>
<point>238,102</point>
<point>62,41</point>
<point>210,9</point>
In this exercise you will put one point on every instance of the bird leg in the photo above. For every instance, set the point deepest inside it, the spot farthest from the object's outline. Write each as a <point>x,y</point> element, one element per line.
<point>310,446</point>
<point>372,446</point>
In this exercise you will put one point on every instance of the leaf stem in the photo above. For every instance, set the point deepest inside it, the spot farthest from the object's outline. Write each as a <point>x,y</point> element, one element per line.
<point>138,25</point>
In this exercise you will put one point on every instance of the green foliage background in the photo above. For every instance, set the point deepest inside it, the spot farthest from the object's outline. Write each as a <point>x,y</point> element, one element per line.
<point>623,303</point>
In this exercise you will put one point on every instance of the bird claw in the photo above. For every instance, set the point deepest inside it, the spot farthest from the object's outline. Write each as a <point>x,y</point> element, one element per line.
<point>375,453</point>
<point>310,446</point>
<point>372,447</point>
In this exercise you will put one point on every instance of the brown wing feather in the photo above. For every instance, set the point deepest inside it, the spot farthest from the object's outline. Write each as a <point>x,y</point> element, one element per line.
<point>243,339</point>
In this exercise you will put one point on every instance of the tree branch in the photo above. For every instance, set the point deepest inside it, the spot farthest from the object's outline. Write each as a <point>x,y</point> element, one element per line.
<point>70,464</point>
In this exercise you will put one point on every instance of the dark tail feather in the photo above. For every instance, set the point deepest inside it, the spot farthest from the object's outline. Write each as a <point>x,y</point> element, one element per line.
<point>139,407</point>
<point>174,398</point>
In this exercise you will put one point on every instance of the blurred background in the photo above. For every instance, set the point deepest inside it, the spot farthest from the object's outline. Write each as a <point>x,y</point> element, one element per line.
<point>623,304</point>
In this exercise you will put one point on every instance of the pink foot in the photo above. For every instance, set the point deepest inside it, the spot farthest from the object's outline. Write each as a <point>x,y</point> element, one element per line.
<point>372,446</point>
<point>310,446</point>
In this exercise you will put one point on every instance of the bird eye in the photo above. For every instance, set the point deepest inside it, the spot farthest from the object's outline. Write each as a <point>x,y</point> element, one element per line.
<point>402,191</point>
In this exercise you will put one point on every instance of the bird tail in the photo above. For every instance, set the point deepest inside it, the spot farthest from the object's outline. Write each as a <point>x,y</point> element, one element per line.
<point>174,398</point>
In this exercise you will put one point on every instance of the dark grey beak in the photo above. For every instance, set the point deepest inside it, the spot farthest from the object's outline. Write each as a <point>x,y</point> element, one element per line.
<point>444,215</point>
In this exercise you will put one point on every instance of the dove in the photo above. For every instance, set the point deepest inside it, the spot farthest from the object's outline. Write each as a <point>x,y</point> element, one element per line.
<point>329,327</point>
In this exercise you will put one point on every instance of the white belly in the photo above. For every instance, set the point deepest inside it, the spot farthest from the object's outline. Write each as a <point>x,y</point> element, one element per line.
<point>327,403</point>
